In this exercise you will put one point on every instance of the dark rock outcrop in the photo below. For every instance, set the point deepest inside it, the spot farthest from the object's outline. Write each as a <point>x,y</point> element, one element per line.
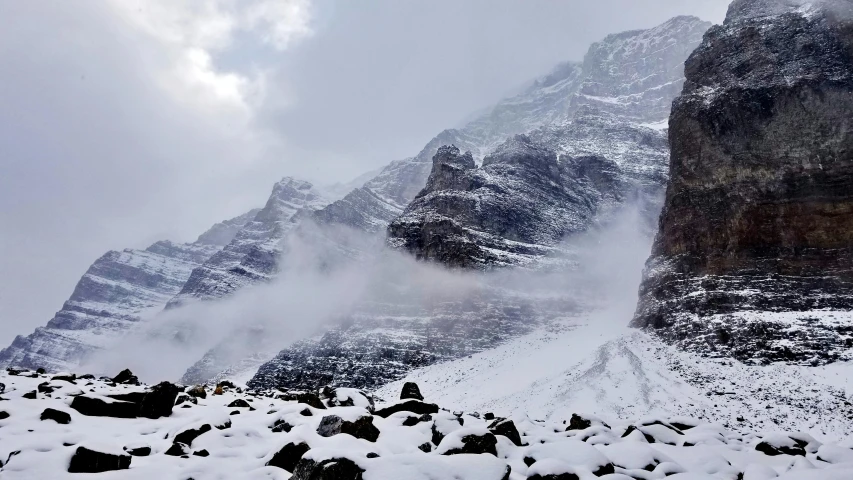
<point>517,207</point>
<point>91,461</point>
<point>755,246</point>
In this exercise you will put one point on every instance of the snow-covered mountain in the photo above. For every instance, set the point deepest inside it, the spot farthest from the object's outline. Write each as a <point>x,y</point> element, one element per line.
<point>251,256</point>
<point>118,290</point>
<point>554,111</point>
<point>754,256</point>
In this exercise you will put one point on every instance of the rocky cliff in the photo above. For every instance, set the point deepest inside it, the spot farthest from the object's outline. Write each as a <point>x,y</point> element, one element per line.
<point>118,290</point>
<point>251,256</point>
<point>755,246</point>
<point>518,206</point>
<point>604,150</point>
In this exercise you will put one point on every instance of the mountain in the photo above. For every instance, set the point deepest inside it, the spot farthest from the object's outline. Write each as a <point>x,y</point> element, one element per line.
<point>251,256</point>
<point>116,292</point>
<point>754,256</point>
<point>519,205</point>
<point>604,150</point>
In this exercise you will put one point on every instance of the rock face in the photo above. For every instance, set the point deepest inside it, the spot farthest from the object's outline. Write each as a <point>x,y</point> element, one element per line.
<point>533,191</point>
<point>252,254</point>
<point>117,291</point>
<point>518,206</point>
<point>755,247</point>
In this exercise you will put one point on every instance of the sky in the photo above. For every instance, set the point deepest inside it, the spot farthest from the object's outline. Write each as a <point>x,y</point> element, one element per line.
<point>123,122</point>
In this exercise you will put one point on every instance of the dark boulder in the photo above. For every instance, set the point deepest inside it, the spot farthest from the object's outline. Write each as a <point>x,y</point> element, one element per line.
<point>239,403</point>
<point>411,390</point>
<point>64,378</point>
<point>2,387</point>
<point>771,449</point>
<point>30,395</point>
<point>56,415</point>
<point>476,444</point>
<point>4,415</point>
<point>560,476</point>
<point>288,457</point>
<point>507,429</point>
<point>201,453</point>
<point>331,469</point>
<point>184,398</point>
<point>97,407</point>
<point>197,391</point>
<point>187,436</point>
<point>414,406</point>
<point>177,450</point>
<point>281,426</point>
<point>139,451</point>
<point>46,388</point>
<point>126,377</point>
<point>91,461</point>
<point>362,428</point>
<point>158,402</point>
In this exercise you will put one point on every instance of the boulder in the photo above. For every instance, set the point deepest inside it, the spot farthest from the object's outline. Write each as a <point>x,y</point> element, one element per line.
<point>476,444</point>
<point>187,436</point>
<point>414,406</point>
<point>281,426</point>
<point>411,390</point>
<point>177,450</point>
<point>288,457</point>
<point>56,415</point>
<point>197,391</point>
<point>331,469</point>
<point>126,377</point>
<point>91,461</point>
<point>4,415</point>
<point>239,403</point>
<point>30,395</point>
<point>332,425</point>
<point>139,451</point>
<point>507,429</point>
<point>158,402</point>
<point>98,407</point>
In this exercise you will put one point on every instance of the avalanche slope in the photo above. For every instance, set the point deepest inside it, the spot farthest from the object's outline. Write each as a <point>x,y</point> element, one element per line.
<point>591,365</point>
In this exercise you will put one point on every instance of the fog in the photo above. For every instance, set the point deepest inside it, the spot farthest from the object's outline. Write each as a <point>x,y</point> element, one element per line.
<point>128,121</point>
<point>318,288</point>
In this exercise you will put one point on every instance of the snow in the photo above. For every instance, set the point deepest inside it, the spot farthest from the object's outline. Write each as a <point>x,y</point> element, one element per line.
<point>31,448</point>
<point>600,368</point>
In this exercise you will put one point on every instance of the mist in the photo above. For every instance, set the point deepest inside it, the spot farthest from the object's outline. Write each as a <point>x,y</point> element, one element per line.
<point>322,285</point>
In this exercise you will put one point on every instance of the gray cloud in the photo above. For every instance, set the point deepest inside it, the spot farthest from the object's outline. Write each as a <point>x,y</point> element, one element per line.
<point>124,123</point>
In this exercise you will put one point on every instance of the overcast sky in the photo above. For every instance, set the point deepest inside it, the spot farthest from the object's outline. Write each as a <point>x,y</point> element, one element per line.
<point>127,121</point>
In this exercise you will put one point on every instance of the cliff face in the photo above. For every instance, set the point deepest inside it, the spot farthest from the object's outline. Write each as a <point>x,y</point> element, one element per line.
<point>758,216</point>
<point>517,207</point>
<point>112,297</point>
<point>251,254</point>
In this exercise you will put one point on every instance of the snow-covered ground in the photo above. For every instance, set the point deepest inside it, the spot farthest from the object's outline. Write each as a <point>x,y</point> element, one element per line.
<point>592,366</point>
<point>241,435</point>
